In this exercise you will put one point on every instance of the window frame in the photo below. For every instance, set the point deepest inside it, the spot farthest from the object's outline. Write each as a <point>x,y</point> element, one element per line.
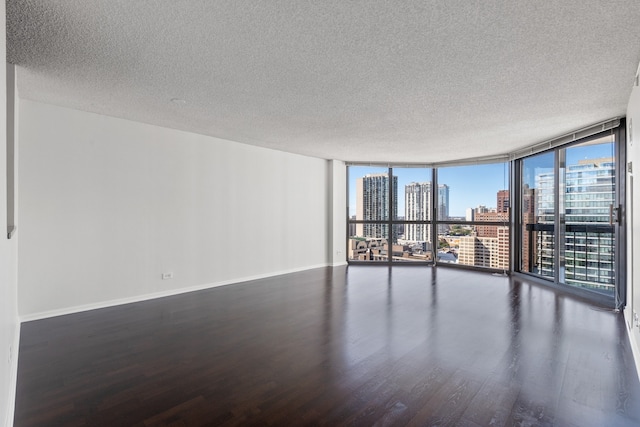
<point>434,222</point>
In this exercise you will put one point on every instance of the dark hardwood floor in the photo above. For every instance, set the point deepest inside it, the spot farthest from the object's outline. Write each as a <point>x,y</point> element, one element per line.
<point>358,346</point>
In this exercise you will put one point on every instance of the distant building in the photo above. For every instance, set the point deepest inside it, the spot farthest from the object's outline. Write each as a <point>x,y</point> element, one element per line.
<point>417,199</point>
<point>489,245</point>
<point>469,214</point>
<point>481,209</point>
<point>489,252</point>
<point>443,207</point>
<point>545,213</point>
<point>372,204</point>
<point>352,227</point>
<point>490,216</point>
<point>377,249</point>
<point>367,249</point>
<point>528,217</point>
<point>503,201</point>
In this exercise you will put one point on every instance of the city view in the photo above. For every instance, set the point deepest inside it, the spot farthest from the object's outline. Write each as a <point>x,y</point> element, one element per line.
<point>391,215</point>
<point>410,238</point>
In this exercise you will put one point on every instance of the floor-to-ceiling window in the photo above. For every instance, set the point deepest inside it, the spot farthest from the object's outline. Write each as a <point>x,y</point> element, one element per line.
<point>369,213</point>
<point>473,215</point>
<point>413,225</point>
<point>449,215</point>
<point>390,214</point>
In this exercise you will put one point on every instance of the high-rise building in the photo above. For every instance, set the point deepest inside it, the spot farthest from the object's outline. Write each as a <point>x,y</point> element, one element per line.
<point>503,201</point>
<point>490,216</point>
<point>417,207</point>
<point>545,212</point>
<point>372,204</point>
<point>443,201</point>
<point>489,245</point>
<point>528,217</point>
<point>443,207</point>
<point>500,214</point>
<point>490,252</point>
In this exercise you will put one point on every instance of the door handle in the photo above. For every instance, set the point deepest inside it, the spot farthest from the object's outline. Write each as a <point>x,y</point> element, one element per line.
<point>614,214</point>
<point>610,214</point>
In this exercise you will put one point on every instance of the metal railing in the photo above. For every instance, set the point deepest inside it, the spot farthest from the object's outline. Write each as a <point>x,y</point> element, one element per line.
<point>588,254</point>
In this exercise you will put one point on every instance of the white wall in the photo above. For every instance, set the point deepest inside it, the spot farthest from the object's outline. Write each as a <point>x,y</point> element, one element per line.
<point>633,222</point>
<point>107,205</point>
<point>9,325</point>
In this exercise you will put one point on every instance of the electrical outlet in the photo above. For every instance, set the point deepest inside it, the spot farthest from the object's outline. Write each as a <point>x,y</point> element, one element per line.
<point>636,321</point>
<point>166,276</point>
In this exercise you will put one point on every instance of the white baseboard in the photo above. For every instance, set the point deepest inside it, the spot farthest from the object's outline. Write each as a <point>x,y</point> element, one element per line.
<point>628,318</point>
<point>339,264</point>
<point>13,380</point>
<point>145,297</point>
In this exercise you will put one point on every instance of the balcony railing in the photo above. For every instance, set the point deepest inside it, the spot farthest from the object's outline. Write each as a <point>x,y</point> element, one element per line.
<point>588,254</point>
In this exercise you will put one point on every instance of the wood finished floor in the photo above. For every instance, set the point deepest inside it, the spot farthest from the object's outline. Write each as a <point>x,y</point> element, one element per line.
<point>344,346</point>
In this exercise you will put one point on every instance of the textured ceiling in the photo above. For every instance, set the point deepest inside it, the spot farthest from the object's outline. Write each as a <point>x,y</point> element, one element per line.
<point>398,81</point>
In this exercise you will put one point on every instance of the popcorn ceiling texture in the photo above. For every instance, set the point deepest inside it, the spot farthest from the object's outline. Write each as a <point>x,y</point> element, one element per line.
<point>362,80</point>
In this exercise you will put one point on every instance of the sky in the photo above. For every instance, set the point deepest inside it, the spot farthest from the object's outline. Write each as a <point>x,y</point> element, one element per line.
<point>471,186</point>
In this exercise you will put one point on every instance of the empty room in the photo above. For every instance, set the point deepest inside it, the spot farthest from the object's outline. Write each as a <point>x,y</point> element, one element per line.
<point>367,213</point>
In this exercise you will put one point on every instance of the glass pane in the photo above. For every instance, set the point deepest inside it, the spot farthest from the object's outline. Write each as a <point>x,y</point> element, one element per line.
<point>418,247</point>
<point>369,198</point>
<point>589,194</point>
<point>368,248</point>
<point>538,214</point>
<point>472,193</point>
<point>479,246</point>
<point>413,241</point>
<point>414,194</point>
<point>465,191</point>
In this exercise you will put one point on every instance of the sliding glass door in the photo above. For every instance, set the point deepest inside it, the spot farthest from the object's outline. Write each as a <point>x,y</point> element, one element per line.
<point>568,215</point>
<point>590,212</point>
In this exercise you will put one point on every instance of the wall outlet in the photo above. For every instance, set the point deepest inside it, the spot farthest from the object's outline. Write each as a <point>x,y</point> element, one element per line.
<point>166,276</point>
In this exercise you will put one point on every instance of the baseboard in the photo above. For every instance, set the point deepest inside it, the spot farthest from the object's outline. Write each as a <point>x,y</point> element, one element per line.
<point>145,297</point>
<point>339,264</point>
<point>13,380</point>
<point>628,318</point>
